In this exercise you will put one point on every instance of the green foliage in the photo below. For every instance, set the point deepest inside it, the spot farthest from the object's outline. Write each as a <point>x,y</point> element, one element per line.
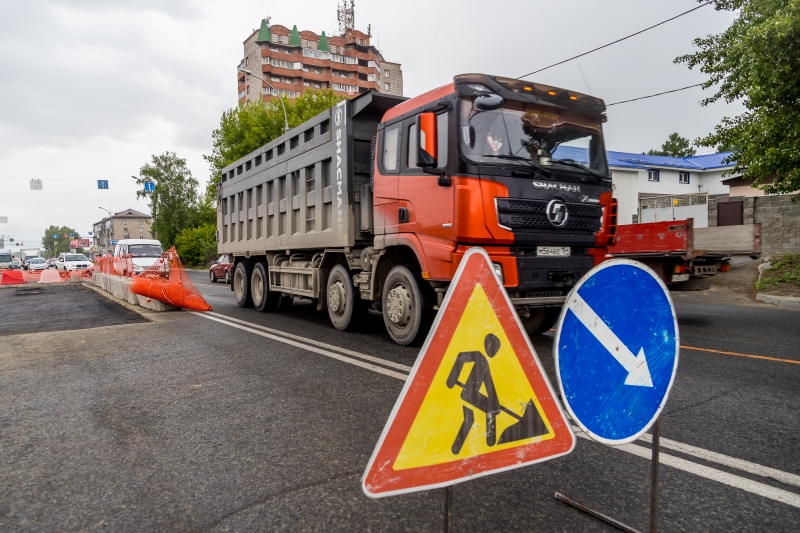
<point>197,246</point>
<point>61,244</point>
<point>785,270</point>
<point>757,60</point>
<point>245,128</point>
<point>174,203</point>
<point>676,146</point>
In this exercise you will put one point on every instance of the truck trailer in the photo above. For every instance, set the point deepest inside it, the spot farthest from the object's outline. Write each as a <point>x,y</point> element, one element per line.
<point>374,202</point>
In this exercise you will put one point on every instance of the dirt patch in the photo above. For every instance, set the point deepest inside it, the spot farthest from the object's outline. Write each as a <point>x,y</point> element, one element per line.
<point>783,279</point>
<point>737,287</point>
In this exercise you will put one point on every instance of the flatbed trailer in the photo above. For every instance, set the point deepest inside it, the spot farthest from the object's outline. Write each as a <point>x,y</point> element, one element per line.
<point>683,256</point>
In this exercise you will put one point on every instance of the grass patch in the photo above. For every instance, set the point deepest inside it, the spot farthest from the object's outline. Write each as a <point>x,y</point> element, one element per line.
<point>785,270</point>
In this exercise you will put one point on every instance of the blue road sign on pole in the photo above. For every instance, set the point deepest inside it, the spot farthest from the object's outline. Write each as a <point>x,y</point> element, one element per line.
<point>55,235</point>
<point>616,350</point>
<point>149,186</point>
<point>102,184</point>
<point>113,242</point>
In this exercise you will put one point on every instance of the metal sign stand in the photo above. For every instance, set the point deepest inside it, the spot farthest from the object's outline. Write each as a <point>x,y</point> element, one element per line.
<point>653,491</point>
<point>448,509</point>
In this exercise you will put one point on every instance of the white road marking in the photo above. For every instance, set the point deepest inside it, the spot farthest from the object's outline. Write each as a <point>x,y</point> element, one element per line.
<point>726,460</point>
<point>308,347</point>
<point>732,480</point>
<point>635,365</point>
<point>364,356</point>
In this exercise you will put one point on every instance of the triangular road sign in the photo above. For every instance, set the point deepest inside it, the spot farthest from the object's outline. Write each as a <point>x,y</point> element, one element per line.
<point>476,402</point>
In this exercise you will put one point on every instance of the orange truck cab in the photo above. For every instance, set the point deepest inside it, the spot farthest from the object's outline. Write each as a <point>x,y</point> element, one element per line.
<point>374,203</point>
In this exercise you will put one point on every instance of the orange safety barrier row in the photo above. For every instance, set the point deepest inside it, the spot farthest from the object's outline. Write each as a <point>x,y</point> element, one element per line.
<point>15,277</point>
<point>168,282</point>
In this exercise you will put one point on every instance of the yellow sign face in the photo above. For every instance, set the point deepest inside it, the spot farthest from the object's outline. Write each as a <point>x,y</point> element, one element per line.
<point>480,399</point>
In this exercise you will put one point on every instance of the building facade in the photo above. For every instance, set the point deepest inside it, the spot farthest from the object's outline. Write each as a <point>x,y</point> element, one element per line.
<point>128,224</point>
<point>294,61</point>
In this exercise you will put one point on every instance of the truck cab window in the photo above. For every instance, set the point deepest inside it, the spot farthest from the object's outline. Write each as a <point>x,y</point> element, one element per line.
<point>391,143</point>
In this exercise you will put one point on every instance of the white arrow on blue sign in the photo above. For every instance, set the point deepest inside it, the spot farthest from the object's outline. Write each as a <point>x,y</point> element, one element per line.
<point>616,350</point>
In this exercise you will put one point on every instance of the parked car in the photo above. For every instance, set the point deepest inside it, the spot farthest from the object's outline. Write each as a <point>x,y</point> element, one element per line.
<point>37,264</point>
<point>51,263</point>
<point>144,253</point>
<point>221,269</point>
<point>69,262</point>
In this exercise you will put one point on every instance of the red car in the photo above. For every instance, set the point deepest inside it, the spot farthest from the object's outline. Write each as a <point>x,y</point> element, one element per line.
<point>221,269</point>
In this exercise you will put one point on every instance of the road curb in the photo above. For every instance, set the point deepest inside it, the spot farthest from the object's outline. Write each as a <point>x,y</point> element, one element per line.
<point>780,301</point>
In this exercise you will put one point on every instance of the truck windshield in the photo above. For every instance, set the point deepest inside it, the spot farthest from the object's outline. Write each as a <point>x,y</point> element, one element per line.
<point>529,134</point>
<point>145,250</point>
<point>5,258</point>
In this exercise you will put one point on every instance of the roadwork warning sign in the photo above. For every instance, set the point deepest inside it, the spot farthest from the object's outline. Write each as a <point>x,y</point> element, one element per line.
<point>477,400</point>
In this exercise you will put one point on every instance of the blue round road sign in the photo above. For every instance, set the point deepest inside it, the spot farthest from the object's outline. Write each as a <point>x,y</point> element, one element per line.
<point>616,350</point>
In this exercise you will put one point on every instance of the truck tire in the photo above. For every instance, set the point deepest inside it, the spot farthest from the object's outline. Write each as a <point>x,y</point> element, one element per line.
<point>344,305</point>
<point>541,320</point>
<point>263,298</point>
<point>241,284</point>
<point>406,308</point>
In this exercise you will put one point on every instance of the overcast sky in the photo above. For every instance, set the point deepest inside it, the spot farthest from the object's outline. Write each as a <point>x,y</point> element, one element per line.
<point>90,89</point>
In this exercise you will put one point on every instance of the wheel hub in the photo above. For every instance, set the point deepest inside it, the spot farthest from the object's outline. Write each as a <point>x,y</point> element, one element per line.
<point>336,297</point>
<point>258,288</point>
<point>398,305</point>
<point>238,282</point>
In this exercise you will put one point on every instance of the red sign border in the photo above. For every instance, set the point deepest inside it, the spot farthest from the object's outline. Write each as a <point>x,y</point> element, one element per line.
<point>379,480</point>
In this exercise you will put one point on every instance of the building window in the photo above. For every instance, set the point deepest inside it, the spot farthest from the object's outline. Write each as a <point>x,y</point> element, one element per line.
<point>141,222</point>
<point>653,175</point>
<point>683,177</point>
<point>125,222</point>
<point>141,230</point>
<point>386,73</point>
<point>124,230</point>
<point>386,86</point>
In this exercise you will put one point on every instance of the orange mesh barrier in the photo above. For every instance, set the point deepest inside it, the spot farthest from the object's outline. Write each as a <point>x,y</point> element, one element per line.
<point>168,282</point>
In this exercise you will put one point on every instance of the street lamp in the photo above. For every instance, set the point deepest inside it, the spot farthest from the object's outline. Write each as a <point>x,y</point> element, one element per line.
<point>285,119</point>
<point>105,233</point>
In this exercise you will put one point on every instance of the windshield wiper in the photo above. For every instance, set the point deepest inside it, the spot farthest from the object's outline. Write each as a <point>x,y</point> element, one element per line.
<point>572,163</point>
<point>534,167</point>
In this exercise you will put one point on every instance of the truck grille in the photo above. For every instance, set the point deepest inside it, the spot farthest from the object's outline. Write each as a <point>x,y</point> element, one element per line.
<point>519,214</point>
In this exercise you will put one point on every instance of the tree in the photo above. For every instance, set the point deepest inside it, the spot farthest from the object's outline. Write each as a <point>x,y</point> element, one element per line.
<point>676,146</point>
<point>197,245</point>
<point>251,126</point>
<point>756,60</point>
<point>60,244</point>
<point>174,204</point>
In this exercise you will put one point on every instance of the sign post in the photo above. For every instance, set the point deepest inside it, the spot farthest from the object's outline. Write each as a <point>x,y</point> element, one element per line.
<point>477,401</point>
<point>616,355</point>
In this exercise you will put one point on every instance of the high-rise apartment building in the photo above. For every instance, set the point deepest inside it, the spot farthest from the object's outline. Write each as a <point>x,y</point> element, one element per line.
<point>293,61</point>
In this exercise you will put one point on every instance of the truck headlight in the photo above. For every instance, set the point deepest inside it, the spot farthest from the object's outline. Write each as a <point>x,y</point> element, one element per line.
<point>498,271</point>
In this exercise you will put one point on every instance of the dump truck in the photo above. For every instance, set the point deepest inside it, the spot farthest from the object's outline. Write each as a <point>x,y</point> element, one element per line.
<point>684,257</point>
<point>374,202</point>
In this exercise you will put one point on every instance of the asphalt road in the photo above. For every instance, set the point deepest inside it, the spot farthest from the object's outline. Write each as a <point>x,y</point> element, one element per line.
<point>245,421</point>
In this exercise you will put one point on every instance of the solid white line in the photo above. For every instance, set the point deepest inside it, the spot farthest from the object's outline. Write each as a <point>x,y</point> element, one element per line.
<point>326,353</point>
<point>678,463</point>
<point>316,343</point>
<point>726,460</point>
<point>748,485</point>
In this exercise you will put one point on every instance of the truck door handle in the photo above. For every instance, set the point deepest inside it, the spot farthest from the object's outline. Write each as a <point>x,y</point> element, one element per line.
<point>402,215</point>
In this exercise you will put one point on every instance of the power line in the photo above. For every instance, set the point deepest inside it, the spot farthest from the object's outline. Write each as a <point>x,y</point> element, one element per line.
<point>60,179</point>
<point>615,42</point>
<point>657,94</point>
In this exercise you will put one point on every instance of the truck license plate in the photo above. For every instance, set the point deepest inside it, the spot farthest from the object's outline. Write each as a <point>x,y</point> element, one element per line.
<point>680,277</point>
<point>552,250</point>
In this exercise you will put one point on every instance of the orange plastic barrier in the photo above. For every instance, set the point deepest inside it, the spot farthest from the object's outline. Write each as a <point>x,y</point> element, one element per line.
<point>11,277</point>
<point>168,282</point>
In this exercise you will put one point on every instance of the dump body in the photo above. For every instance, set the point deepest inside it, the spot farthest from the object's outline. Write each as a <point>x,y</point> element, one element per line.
<point>307,189</point>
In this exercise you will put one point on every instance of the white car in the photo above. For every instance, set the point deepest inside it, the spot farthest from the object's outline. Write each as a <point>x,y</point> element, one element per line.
<point>37,264</point>
<point>144,254</point>
<point>69,262</point>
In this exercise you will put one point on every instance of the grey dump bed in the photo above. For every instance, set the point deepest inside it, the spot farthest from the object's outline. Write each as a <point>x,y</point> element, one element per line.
<point>307,189</point>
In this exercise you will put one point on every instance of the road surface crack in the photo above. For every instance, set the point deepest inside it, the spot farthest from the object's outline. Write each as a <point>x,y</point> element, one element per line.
<point>252,504</point>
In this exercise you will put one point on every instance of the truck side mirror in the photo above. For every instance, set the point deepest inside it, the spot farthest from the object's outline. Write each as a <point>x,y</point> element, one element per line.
<point>427,149</point>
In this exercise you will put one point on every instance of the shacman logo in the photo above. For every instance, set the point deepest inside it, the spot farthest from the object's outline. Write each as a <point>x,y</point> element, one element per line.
<point>557,213</point>
<point>338,118</point>
<point>564,187</point>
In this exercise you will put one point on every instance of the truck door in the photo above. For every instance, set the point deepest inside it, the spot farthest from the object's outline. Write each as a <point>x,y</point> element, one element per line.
<point>385,188</point>
<point>425,208</point>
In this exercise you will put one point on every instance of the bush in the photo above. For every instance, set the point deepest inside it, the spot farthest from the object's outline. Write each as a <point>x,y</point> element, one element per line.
<point>197,246</point>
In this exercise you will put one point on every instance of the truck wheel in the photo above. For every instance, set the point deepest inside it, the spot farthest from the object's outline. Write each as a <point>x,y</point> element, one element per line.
<point>406,310</point>
<point>241,284</point>
<point>541,320</point>
<point>344,305</point>
<point>263,298</point>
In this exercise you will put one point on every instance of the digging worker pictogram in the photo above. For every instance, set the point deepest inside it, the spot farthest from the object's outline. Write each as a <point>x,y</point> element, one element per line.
<point>529,425</point>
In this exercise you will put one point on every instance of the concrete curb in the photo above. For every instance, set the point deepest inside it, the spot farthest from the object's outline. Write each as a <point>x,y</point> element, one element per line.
<point>780,301</point>
<point>120,288</point>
